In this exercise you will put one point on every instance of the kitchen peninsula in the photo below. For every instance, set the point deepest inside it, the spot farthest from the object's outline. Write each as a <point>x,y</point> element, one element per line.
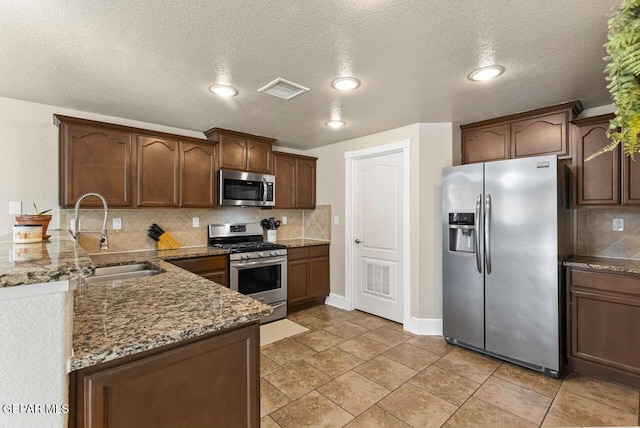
<point>171,346</point>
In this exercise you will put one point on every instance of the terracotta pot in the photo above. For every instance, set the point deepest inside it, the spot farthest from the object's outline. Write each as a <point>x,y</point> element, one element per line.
<point>36,219</point>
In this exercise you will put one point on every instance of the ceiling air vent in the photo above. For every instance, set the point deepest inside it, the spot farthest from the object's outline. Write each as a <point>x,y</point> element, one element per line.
<point>283,89</point>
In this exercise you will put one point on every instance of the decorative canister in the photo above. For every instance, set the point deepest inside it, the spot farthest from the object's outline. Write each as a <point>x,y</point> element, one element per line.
<point>27,233</point>
<point>271,236</point>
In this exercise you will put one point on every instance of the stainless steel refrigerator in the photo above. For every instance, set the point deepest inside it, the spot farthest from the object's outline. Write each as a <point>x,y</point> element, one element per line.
<point>506,230</point>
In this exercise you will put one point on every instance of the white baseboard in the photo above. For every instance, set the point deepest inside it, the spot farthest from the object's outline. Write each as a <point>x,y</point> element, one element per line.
<point>423,326</point>
<point>337,301</point>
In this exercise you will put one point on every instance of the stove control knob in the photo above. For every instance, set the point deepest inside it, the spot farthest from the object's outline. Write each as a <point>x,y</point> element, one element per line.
<point>274,253</point>
<point>244,256</point>
<point>262,254</point>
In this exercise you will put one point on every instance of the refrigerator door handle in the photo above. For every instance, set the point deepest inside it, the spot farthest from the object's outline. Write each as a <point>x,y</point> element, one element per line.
<point>487,233</point>
<point>477,232</point>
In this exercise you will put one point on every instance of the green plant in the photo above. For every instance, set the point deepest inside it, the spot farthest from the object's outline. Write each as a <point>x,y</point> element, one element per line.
<point>40,212</point>
<point>623,71</point>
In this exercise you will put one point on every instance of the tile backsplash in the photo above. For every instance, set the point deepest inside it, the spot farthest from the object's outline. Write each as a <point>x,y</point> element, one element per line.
<point>313,224</point>
<point>597,238</point>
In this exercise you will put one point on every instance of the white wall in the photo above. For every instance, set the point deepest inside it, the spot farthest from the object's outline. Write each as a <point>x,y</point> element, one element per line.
<point>29,148</point>
<point>35,345</point>
<point>431,150</point>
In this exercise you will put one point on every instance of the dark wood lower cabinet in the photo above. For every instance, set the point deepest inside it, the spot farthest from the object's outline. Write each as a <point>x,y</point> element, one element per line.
<point>208,382</point>
<point>307,274</point>
<point>603,322</point>
<point>213,268</point>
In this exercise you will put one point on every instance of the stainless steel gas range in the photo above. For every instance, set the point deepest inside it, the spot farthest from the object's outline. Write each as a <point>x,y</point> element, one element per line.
<point>256,268</point>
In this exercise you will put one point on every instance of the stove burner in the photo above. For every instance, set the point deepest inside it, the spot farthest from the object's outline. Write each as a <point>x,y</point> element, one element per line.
<point>240,247</point>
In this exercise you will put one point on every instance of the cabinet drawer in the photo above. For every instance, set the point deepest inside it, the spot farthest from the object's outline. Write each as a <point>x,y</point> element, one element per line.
<point>202,264</point>
<point>298,253</point>
<point>318,251</point>
<point>604,330</point>
<point>605,282</point>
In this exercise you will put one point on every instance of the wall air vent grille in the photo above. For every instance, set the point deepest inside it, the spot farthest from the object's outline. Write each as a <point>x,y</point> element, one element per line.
<point>282,88</point>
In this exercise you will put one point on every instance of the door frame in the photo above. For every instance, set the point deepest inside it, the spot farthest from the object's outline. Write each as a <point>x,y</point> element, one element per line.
<point>403,147</point>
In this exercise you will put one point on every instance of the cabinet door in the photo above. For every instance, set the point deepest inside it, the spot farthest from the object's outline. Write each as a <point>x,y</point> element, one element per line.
<point>543,135</point>
<point>604,329</point>
<point>305,184</point>
<point>198,175</point>
<point>158,170</point>
<point>258,157</point>
<point>319,277</point>
<point>599,178</point>
<point>284,168</point>
<point>630,180</point>
<point>233,152</point>
<point>212,382</point>
<point>297,281</point>
<point>485,144</point>
<point>95,159</point>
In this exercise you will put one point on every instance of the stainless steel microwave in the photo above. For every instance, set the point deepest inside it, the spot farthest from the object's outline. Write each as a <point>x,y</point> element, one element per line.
<point>246,189</point>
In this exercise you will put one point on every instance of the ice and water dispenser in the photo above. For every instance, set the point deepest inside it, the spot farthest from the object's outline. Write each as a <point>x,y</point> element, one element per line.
<point>462,232</point>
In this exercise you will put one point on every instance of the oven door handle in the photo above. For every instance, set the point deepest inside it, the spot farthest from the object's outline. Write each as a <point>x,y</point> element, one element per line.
<point>270,262</point>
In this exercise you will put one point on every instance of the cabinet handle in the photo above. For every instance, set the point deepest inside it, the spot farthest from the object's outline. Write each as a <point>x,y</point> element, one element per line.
<point>357,241</point>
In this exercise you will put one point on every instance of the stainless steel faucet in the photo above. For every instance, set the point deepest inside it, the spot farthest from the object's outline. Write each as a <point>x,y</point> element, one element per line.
<point>104,241</point>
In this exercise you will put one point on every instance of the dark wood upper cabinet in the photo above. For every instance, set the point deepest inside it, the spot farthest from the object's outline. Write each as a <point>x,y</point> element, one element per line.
<point>94,159</point>
<point>240,151</point>
<point>134,167</point>
<point>630,180</point>
<point>598,178</point>
<point>157,171</point>
<point>284,168</point>
<point>197,175</point>
<point>485,144</point>
<point>305,183</point>
<point>544,131</point>
<point>233,152</point>
<point>544,135</point>
<point>258,156</point>
<point>295,180</point>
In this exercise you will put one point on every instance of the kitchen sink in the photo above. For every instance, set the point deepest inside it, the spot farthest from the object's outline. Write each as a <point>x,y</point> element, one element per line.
<point>113,273</point>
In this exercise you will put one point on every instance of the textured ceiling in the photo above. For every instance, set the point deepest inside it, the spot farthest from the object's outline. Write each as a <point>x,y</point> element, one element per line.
<point>154,60</point>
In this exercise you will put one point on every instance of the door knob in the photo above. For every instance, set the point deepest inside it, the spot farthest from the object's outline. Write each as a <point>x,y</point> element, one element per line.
<point>357,241</point>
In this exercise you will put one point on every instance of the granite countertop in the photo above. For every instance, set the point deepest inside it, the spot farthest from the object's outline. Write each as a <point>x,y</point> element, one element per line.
<point>302,242</point>
<point>604,264</point>
<point>58,259</point>
<point>113,319</point>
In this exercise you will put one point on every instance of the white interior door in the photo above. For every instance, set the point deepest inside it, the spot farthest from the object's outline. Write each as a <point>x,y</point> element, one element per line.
<point>377,197</point>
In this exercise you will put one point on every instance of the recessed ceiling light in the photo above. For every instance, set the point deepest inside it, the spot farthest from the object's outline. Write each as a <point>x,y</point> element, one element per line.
<point>345,83</point>
<point>224,90</point>
<point>335,123</point>
<point>487,73</point>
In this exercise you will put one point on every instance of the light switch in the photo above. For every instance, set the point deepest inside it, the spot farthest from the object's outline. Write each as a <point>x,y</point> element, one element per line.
<point>284,219</point>
<point>15,207</point>
<point>336,220</point>
<point>618,224</point>
<point>117,223</point>
<point>196,221</point>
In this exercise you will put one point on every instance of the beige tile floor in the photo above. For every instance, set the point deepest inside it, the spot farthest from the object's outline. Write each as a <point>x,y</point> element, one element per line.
<point>356,370</point>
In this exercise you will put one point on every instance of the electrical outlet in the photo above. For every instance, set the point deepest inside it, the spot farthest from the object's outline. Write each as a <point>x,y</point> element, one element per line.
<point>15,207</point>
<point>336,220</point>
<point>196,221</point>
<point>117,223</point>
<point>618,224</point>
<point>284,219</point>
